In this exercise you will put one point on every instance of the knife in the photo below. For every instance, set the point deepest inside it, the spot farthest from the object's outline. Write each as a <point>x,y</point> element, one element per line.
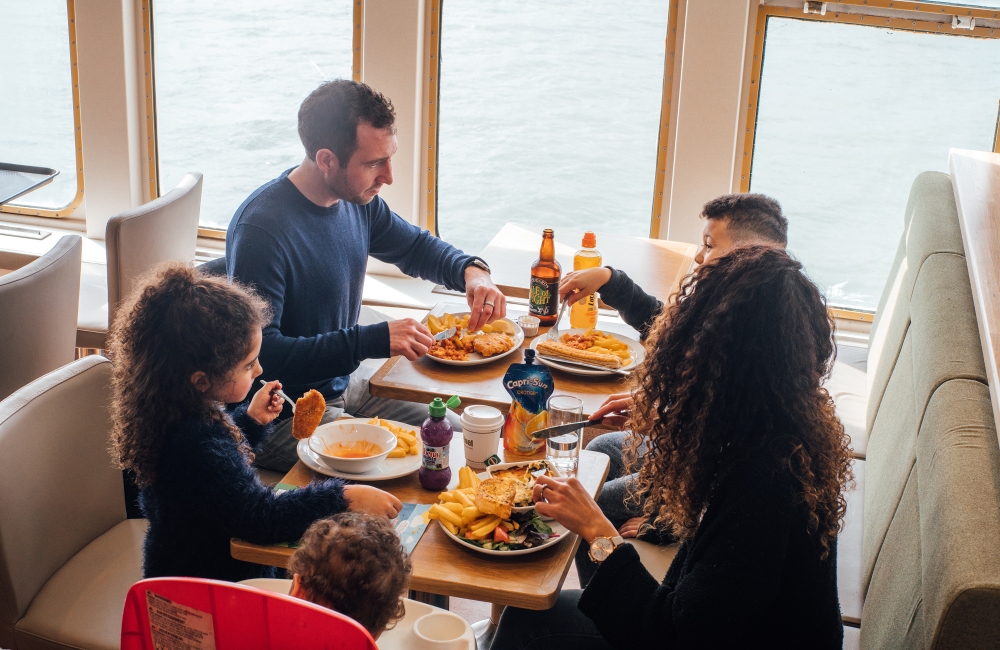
<point>582,364</point>
<point>561,429</point>
<point>445,334</point>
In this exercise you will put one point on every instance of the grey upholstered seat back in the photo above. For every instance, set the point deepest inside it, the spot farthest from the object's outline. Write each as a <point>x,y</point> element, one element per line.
<point>58,488</point>
<point>931,552</point>
<point>38,308</point>
<point>162,230</point>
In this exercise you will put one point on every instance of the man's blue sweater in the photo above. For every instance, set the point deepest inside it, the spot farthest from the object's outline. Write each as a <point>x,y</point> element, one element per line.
<point>309,262</point>
<point>206,493</point>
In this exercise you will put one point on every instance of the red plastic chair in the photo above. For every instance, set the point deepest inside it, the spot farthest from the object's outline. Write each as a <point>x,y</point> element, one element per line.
<point>226,616</point>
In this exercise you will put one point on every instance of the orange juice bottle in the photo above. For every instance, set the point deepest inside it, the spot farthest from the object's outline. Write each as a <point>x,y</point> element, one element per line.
<point>583,314</point>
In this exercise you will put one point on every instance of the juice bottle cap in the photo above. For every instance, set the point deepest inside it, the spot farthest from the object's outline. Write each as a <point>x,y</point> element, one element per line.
<point>437,407</point>
<point>589,239</point>
<point>529,355</point>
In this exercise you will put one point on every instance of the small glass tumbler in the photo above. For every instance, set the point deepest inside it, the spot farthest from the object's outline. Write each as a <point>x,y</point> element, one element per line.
<point>563,452</point>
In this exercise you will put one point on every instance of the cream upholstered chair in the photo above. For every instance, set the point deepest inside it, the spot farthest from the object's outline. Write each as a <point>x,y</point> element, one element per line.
<point>68,555</point>
<point>163,230</point>
<point>38,307</point>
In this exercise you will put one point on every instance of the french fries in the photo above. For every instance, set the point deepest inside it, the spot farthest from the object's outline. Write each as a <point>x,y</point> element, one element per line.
<point>406,441</point>
<point>457,512</point>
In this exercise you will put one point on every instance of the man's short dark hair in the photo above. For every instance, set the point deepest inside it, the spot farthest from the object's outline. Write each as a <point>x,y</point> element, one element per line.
<point>750,217</point>
<point>354,563</point>
<point>329,116</point>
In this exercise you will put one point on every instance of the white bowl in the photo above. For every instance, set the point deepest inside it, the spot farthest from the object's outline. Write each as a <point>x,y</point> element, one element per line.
<point>335,432</point>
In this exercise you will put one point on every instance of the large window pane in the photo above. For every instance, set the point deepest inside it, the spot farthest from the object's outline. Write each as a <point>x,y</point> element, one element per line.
<point>849,115</point>
<point>230,76</point>
<point>549,115</point>
<point>36,111</point>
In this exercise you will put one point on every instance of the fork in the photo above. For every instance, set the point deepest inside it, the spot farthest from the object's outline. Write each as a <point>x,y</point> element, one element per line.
<point>554,330</point>
<point>282,395</point>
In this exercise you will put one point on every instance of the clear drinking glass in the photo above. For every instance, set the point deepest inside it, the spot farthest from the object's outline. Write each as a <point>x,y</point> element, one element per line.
<point>563,452</point>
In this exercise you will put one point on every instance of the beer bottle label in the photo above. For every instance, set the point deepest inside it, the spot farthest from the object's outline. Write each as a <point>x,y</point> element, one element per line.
<point>543,297</point>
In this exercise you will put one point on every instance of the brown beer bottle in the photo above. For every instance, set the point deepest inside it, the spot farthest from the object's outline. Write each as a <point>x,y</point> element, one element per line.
<point>543,292</point>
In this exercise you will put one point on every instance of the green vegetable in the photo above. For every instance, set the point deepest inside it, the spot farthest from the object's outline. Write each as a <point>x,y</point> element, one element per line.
<point>539,525</point>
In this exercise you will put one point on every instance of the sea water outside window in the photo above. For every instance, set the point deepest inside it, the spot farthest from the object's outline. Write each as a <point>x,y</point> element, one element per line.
<point>230,75</point>
<point>36,110</point>
<point>548,115</point>
<point>848,116</point>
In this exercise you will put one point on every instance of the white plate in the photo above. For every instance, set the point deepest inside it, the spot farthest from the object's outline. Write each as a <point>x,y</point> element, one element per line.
<point>554,525</point>
<point>390,468</point>
<point>635,348</point>
<point>476,359</point>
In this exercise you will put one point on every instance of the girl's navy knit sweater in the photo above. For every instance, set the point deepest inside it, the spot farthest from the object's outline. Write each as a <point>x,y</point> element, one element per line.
<point>206,493</point>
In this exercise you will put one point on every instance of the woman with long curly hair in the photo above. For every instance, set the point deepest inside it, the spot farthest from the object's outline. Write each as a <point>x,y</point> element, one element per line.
<point>744,461</point>
<point>183,346</point>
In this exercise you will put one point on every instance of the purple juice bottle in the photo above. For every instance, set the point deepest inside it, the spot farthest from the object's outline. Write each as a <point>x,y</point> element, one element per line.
<point>436,432</point>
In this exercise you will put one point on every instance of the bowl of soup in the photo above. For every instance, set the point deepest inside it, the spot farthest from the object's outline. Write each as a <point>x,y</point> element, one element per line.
<point>351,447</point>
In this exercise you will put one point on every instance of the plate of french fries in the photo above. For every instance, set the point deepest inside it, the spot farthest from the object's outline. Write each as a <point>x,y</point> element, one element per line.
<point>590,346</point>
<point>491,342</point>
<point>404,459</point>
<point>479,514</point>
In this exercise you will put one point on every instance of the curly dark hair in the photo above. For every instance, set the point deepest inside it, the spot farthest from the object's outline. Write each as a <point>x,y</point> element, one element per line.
<point>750,217</point>
<point>329,116</point>
<point>354,563</point>
<point>175,323</point>
<point>734,371</point>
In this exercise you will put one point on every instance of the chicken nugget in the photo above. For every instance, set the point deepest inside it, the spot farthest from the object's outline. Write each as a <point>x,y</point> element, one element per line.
<point>489,345</point>
<point>309,410</point>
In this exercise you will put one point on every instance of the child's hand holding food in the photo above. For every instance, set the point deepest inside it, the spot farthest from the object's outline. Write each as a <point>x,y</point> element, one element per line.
<point>266,403</point>
<point>579,284</point>
<point>365,498</point>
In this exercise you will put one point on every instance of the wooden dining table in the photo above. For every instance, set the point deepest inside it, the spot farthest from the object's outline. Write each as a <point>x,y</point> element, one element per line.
<point>424,379</point>
<point>444,567</point>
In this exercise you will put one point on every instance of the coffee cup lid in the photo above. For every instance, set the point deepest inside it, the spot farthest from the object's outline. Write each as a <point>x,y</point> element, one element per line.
<point>479,415</point>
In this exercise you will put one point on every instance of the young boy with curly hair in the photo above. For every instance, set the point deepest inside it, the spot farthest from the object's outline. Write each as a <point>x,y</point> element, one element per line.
<point>354,564</point>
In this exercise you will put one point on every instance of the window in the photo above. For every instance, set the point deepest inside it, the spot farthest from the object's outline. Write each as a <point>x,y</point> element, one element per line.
<point>230,76</point>
<point>848,116</point>
<point>549,114</point>
<point>37,120</point>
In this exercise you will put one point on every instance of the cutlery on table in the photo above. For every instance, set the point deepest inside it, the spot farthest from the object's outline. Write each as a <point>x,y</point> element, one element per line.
<point>582,364</point>
<point>554,330</point>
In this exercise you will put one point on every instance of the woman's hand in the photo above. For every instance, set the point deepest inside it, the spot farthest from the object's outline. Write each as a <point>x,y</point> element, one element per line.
<point>266,403</point>
<point>365,498</point>
<point>632,527</point>
<point>565,500</point>
<point>614,412</point>
<point>579,284</point>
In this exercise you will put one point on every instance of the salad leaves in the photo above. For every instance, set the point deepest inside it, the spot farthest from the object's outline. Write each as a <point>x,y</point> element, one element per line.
<point>531,531</point>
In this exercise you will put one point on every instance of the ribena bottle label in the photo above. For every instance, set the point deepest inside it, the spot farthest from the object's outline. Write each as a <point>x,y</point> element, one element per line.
<point>543,297</point>
<point>435,457</point>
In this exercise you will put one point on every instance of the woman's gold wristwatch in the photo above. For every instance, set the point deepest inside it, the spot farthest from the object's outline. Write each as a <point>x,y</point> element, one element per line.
<point>602,548</point>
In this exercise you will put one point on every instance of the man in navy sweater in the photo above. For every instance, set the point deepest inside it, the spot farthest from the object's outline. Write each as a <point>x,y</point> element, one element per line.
<point>303,240</point>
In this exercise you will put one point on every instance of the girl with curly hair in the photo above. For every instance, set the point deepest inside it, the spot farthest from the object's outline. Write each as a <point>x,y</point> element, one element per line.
<point>183,346</point>
<point>744,461</point>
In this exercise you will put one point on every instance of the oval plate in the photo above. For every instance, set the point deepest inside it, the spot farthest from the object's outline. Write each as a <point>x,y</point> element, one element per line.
<point>476,359</point>
<point>555,526</point>
<point>635,348</point>
<point>389,468</point>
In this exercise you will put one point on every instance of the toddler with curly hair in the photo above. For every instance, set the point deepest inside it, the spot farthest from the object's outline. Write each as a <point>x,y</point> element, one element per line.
<point>354,564</point>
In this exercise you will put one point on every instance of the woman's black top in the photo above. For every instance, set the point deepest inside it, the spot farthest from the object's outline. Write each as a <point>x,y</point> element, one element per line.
<point>750,577</point>
<point>206,493</point>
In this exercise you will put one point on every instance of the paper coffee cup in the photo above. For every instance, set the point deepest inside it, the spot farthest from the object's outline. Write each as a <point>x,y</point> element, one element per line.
<point>482,427</point>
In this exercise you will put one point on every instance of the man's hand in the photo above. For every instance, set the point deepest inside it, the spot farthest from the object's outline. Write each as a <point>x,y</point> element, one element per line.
<point>580,284</point>
<point>266,404</point>
<point>365,498</point>
<point>409,338</point>
<point>615,410</point>
<point>486,303</point>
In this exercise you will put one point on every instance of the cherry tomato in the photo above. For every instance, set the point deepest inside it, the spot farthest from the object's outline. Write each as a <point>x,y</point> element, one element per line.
<point>500,535</point>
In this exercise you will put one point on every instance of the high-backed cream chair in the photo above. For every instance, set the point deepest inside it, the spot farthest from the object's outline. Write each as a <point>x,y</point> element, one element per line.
<point>38,305</point>
<point>68,555</point>
<point>163,230</point>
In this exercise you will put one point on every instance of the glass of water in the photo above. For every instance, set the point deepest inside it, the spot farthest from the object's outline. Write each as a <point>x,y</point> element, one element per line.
<point>563,452</point>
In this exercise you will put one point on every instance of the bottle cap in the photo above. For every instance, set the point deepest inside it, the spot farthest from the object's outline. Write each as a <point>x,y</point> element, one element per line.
<point>589,240</point>
<point>437,407</point>
<point>529,355</point>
